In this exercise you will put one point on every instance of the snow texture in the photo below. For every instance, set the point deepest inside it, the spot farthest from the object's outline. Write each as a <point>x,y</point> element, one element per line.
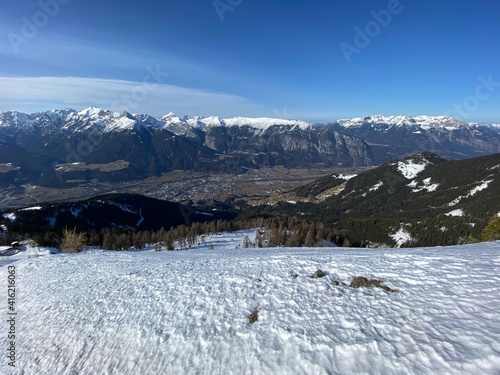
<point>455,201</point>
<point>376,186</point>
<point>411,168</point>
<point>426,186</point>
<point>186,312</point>
<point>457,213</point>
<point>479,188</point>
<point>484,185</point>
<point>346,177</point>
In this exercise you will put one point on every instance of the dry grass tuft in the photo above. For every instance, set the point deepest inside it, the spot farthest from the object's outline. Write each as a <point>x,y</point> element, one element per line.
<point>360,281</point>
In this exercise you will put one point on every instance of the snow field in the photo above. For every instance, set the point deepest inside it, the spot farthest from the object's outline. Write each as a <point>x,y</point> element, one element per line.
<point>410,168</point>
<point>185,312</point>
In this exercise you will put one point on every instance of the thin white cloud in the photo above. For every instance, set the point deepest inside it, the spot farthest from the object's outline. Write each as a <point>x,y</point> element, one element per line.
<point>31,94</point>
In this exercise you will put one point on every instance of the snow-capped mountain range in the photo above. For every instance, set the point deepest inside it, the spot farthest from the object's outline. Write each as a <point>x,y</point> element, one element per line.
<point>108,121</point>
<point>423,122</point>
<point>111,121</point>
<point>34,146</point>
<point>171,119</point>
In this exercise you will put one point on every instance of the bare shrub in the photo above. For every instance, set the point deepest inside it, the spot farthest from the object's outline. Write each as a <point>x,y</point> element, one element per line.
<point>360,281</point>
<point>73,241</point>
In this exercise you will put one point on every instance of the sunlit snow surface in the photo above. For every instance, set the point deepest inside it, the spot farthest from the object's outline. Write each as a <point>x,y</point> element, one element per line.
<point>185,312</point>
<point>411,168</point>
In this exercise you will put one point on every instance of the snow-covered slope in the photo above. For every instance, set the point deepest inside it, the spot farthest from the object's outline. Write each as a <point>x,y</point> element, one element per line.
<point>410,168</point>
<point>186,312</point>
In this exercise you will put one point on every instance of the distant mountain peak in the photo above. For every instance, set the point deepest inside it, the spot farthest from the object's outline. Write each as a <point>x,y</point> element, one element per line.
<point>92,111</point>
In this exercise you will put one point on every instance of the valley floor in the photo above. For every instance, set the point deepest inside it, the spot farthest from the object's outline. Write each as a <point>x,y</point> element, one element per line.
<point>186,312</point>
<point>256,186</point>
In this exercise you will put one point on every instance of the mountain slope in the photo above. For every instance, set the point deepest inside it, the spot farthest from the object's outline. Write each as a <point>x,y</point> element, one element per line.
<point>125,211</point>
<point>422,199</point>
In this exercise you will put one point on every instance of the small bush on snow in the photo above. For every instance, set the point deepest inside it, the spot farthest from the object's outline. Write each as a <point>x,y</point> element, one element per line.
<point>72,241</point>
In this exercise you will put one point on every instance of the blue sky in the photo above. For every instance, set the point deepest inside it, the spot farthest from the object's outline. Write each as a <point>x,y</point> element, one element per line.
<point>274,58</point>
